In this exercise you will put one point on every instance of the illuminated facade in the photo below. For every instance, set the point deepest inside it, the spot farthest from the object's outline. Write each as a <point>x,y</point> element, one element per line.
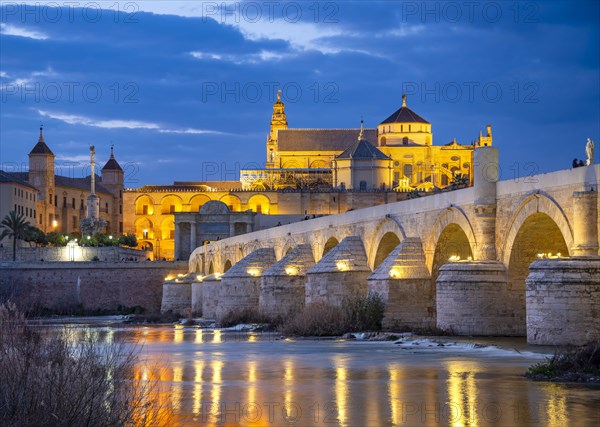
<point>61,201</point>
<point>312,172</point>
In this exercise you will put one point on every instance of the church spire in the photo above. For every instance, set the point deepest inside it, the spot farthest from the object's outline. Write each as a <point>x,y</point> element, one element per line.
<point>41,138</point>
<point>361,134</point>
<point>41,147</point>
<point>404,100</point>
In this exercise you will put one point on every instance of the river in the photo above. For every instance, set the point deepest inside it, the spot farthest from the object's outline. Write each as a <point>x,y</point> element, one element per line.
<point>215,377</point>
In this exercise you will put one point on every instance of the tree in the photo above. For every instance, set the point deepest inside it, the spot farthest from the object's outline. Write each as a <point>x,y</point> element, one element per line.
<point>128,240</point>
<point>35,235</point>
<point>14,225</point>
<point>56,238</point>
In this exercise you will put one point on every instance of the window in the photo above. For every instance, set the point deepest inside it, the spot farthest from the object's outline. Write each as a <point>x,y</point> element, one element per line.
<point>363,185</point>
<point>55,200</point>
<point>120,209</point>
<point>64,201</point>
<point>145,234</point>
<point>75,221</point>
<point>171,209</point>
<point>405,140</point>
<point>73,203</point>
<point>145,210</point>
<point>81,205</point>
<point>408,170</point>
<point>120,227</point>
<point>41,219</point>
<point>259,208</point>
<point>106,204</point>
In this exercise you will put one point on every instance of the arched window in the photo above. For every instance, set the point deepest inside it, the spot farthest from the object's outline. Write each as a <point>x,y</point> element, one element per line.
<point>405,140</point>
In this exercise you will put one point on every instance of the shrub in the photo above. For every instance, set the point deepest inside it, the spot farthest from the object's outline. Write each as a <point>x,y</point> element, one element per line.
<point>128,240</point>
<point>55,378</point>
<point>364,313</point>
<point>243,315</point>
<point>573,362</point>
<point>318,319</point>
<point>357,313</point>
<point>56,238</point>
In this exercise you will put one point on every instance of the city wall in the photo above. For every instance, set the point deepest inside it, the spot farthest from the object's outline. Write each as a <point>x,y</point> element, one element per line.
<point>90,286</point>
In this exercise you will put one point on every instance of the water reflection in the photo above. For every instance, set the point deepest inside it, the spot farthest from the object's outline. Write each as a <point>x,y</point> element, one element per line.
<point>462,394</point>
<point>341,389</point>
<point>217,377</point>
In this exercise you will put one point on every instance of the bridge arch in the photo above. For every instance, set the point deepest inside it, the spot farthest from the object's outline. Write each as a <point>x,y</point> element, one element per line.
<point>458,219</point>
<point>530,205</point>
<point>537,226</point>
<point>329,244</point>
<point>227,266</point>
<point>387,233</point>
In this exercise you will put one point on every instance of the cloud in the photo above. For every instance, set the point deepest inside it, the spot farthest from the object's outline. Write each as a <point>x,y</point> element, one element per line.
<point>73,119</point>
<point>13,30</point>
<point>239,59</point>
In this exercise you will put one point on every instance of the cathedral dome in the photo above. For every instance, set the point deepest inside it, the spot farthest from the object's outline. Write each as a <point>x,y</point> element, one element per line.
<point>404,115</point>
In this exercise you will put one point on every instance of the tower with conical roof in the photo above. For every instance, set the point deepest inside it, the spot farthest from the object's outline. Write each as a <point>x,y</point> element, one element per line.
<point>41,176</point>
<point>278,122</point>
<point>113,180</point>
<point>404,127</point>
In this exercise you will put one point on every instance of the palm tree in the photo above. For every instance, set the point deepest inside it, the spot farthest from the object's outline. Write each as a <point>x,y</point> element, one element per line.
<point>14,225</point>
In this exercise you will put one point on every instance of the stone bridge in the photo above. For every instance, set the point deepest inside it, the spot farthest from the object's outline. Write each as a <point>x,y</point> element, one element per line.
<point>514,257</point>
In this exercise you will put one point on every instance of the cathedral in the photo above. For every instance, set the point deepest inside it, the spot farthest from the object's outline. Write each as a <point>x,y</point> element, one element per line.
<point>308,172</point>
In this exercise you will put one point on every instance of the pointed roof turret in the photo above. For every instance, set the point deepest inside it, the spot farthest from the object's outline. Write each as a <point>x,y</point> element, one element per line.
<point>112,163</point>
<point>362,149</point>
<point>41,147</point>
<point>404,115</point>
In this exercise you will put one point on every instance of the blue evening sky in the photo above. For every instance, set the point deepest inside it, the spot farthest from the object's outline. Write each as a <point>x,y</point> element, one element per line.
<point>184,89</point>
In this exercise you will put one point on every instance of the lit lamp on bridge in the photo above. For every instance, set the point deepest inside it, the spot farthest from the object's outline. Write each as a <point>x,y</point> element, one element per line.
<point>291,270</point>
<point>342,265</point>
<point>253,272</point>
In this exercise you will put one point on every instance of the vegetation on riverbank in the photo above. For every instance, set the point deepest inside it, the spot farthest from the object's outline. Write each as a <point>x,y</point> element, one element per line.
<point>356,314</point>
<point>581,364</point>
<point>60,378</point>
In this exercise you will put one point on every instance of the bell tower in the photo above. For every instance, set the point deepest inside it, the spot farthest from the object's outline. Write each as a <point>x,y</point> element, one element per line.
<point>278,121</point>
<point>41,176</point>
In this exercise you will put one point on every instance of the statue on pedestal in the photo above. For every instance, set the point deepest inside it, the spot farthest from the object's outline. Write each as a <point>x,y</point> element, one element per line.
<point>589,150</point>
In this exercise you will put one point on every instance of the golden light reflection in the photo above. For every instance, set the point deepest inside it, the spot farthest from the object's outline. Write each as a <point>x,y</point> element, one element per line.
<point>251,401</point>
<point>217,336</point>
<point>199,339</point>
<point>215,394</point>
<point>252,337</point>
<point>197,393</point>
<point>341,390</point>
<point>462,393</point>
<point>395,393</point>
<point>178,334</point>
<point>395,273</point>
<point>556,409</point>
<point>177,386</point>
<point>288,378</point>
<point>291,270</point>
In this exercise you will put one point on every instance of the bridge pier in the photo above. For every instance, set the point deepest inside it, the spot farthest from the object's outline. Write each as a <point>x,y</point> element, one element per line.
<point>585,223</point>
<point>240,285</point>
<point>209,290</point>
<point>283,286</point>
<point>563,301</point>
<point>404,283</point>
<point>471,299</point>
<point>177,295</point>
<point>341,273</point>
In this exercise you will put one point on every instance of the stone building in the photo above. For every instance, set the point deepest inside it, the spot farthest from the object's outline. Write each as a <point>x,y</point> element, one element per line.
<point>310,172</point>
<point>61,200</point>
<point>17,195</point>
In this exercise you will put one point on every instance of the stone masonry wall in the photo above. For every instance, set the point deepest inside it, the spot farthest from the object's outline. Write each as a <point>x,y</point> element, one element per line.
<point>87,285</point>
